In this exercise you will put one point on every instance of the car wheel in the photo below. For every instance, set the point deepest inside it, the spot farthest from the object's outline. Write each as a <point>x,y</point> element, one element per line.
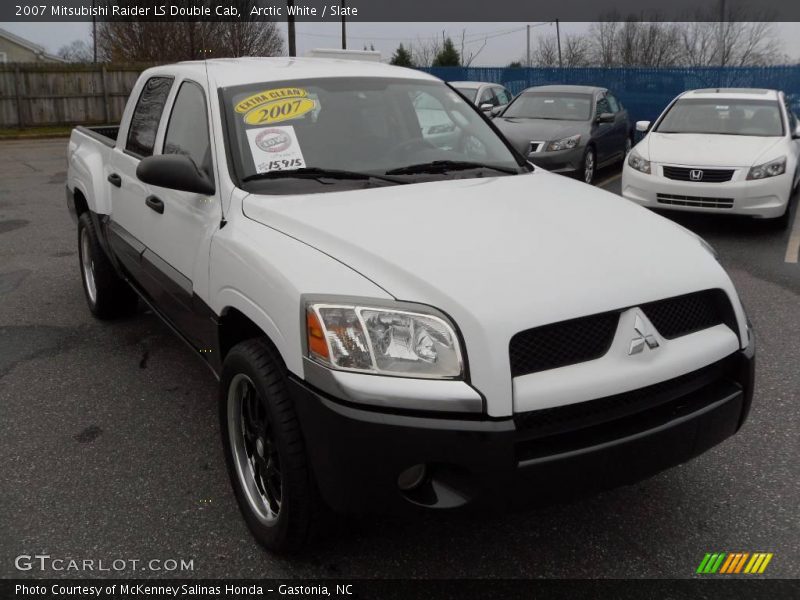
<point>588,166</point>
<point>107,295</point>
<point>264,449</point>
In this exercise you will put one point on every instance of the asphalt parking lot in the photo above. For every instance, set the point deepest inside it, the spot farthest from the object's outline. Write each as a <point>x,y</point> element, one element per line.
<point>110,445</point>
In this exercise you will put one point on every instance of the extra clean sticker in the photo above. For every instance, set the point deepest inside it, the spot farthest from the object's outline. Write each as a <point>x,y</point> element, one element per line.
<point>274,106</point>
<point>275,149</point>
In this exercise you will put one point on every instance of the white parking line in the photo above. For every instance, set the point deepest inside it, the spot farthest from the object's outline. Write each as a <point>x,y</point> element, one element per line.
<point>793,247</point>
<point>611,179</point>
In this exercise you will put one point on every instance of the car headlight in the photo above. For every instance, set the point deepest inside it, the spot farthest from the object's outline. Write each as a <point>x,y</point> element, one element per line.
<point>635,161</point>
<point>768,169</point>
<point>564,143</point>
<point>382,341</point>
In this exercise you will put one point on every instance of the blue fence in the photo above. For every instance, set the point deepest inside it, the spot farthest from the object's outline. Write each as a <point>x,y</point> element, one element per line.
<point>644,91</point>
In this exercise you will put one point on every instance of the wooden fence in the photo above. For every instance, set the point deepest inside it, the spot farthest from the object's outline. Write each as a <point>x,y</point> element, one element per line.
<point>36,95</point>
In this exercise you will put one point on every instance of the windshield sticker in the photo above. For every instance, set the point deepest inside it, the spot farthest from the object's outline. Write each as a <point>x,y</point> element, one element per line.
<point>251,102</point>
<point>274,106</point>
<point>275,149</point>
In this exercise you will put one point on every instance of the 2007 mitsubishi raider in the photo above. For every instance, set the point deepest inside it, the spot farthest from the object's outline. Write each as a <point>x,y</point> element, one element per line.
<point>400,309</point>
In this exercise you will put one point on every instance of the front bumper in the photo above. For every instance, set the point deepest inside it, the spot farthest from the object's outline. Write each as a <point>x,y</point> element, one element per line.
<point>560,161</point>
<point>765,198</point>
<point>537,457</point>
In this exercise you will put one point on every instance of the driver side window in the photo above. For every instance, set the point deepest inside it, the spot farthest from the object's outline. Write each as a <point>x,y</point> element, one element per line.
<point>187,131</point>
<point>487,97</point>
<point>603,106</point>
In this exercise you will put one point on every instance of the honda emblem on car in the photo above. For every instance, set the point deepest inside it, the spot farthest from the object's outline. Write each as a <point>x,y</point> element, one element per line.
<point>643,337</point>
<point>696,175</point>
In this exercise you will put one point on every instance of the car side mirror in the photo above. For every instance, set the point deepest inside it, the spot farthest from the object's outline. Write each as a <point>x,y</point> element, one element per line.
<point>486,107</point>
<point>495,111</point>
<point>796,132</point>
<point>605,118</point>
<point>175,172</point>
<point>643,126</point>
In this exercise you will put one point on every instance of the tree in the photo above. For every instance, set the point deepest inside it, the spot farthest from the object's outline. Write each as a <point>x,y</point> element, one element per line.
<point>546,52</point>
<point>448,56</point>
<point>137,41</point>
<point>426,51</point>
<point>744,38</point>
<point>78,51</point>
<point>577,51</point>
<point>402,57</point>
<point>514,64</point>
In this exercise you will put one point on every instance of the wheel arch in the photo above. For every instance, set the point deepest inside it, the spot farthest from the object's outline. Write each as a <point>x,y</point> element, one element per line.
<point>81,204</point>
<point>240,320</point>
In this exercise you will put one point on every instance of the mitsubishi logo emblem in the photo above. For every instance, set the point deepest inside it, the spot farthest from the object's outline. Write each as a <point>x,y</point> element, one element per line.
<point>696,175</point>
<point>643,338</point>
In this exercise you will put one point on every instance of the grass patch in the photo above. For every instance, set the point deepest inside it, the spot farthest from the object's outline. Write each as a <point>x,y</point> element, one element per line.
<point>13,133</point>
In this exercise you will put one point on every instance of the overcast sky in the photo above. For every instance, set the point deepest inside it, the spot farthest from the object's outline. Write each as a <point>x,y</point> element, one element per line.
<point>505,42</point>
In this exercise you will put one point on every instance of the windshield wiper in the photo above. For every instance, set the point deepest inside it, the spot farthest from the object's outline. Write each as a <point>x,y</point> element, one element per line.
<point>442,166</point>
<point>316,172</point>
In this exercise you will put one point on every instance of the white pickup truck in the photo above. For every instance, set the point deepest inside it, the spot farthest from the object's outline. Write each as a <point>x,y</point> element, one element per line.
<point>400,316</point>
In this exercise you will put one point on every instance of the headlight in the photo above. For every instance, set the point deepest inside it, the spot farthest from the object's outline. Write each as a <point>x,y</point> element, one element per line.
<point>563,144</point>
<point>768,169</point>
<point>382,341</point>
<point>635,161</point>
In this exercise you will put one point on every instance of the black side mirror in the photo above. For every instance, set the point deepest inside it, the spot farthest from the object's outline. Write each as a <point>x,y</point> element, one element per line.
<point>175,172</point>
<point>605,118</point>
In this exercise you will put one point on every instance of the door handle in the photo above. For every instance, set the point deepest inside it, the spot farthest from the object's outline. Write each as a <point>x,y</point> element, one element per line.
<point>157,204</point>
<point>115,180</point>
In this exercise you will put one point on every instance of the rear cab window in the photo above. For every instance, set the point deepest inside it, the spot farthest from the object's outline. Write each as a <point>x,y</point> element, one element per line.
<point>147,115</point>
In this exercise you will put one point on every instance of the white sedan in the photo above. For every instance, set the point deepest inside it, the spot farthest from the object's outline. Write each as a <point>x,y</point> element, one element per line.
<point>721,151</point>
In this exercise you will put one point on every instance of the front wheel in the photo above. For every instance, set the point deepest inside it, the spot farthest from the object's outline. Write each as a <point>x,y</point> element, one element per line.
<point>264,449</point>
<point>588,165</point>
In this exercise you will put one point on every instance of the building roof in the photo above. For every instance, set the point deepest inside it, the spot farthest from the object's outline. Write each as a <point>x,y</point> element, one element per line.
<point>35,48</point>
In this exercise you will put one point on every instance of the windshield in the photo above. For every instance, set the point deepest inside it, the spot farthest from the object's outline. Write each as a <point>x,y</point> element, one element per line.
<point>325,134</point>
<point>557,106</point>
<point>469,93</point>
<point>723,116</point>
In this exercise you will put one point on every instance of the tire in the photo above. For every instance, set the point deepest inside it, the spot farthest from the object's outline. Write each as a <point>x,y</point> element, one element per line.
<point>107,295</point>
<point>588,166</point>
<point>264,449</point>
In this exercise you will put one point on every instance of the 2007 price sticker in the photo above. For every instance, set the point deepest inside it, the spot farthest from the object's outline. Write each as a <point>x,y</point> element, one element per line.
<point>279,110</point>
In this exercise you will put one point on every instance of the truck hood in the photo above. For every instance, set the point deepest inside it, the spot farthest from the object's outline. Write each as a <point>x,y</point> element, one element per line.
<point>499,255</point>
<point>709,150</point>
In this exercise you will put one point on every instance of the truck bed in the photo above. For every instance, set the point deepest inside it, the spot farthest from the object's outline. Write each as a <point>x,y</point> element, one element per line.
<point>107,134</point>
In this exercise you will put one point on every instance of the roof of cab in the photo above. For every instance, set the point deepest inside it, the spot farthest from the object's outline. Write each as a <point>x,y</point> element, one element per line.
<point>227,72</point>
<point>733,93</point>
